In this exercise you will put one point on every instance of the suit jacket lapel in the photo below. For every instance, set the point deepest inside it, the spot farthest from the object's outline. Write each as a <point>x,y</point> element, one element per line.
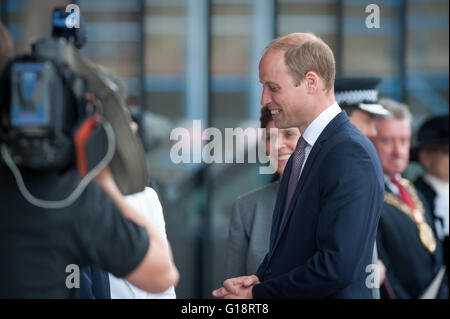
<point>305,172</point>
<point>340,119</point>
<point>279,204</point>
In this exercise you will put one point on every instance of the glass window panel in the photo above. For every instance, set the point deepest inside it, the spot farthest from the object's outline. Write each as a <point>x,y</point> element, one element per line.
<point>112,29</point>
<point>427,57</point>
<point>374,51</point>
<point>370,51</point>
<point>231,24</point>
<point>318,17</point>
<point>169,104</point>
<point>165,33</point>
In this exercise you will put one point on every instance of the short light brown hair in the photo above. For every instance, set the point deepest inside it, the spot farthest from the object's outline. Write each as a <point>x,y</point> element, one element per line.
<point>306,52</point>
<point>6,47</point>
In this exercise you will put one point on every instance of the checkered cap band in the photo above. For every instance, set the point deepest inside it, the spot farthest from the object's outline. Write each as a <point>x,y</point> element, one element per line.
<point>356,96</point>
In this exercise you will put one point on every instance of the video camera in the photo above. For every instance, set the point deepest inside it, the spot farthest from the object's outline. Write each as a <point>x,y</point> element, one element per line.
<point>67,25</point>
<point>48,119</point>
<point>45,100</point>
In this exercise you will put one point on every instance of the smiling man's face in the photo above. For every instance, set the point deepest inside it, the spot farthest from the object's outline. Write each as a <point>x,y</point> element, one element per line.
<point>286,101</point>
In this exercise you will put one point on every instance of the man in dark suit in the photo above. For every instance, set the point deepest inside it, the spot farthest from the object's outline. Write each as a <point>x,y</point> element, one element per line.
<point>406,237</point>
<point>330,197</point>
<point>358,97</point>
<point>432,153</point>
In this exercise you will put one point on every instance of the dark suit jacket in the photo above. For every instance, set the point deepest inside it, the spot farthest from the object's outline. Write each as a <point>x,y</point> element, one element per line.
<point>429,195</point>
<point>327,238</point>
<point>249,232</point>
<point>410,266</point>
<point>427,192</point>
<point>94,283</point>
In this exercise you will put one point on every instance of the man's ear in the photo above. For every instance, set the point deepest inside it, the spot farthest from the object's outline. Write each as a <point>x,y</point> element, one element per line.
<point>312,81</point>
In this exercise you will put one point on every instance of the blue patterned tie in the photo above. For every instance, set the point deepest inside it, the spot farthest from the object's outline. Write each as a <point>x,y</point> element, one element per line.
<point>297,162</point>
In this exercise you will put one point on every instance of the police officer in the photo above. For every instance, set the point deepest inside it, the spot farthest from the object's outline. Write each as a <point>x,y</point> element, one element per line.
<point>359,98</point>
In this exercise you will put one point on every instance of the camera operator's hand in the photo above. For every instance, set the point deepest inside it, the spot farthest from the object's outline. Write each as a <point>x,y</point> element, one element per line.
<point>105,179</point>
<point>157,271</point>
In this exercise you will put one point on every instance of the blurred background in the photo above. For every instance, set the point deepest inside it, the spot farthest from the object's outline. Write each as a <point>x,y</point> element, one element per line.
<point>185,60</point>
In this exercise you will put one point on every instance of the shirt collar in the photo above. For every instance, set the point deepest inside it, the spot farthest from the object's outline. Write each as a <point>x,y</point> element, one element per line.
<point>388,179</point>
<point>314,129</point>
<point>439,186</point>
<point>392,187</point>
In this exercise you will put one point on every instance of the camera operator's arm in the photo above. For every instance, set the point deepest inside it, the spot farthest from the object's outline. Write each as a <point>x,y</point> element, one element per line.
<point>156,272</point>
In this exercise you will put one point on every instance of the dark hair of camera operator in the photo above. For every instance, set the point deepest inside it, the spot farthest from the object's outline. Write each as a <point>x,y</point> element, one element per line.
<point>6,46</point>
<point>39,247</point>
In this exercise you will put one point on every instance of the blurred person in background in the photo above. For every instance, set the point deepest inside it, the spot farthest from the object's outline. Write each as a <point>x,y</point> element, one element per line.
<point>358,97</point>
<point>406,238</point>
<point>147,204</point>
<point>97,283</point>
<point>40,243</point>
<point>100,228</point>
<point>251,217</point>
<point>6,47</point>
<point>432,153</point>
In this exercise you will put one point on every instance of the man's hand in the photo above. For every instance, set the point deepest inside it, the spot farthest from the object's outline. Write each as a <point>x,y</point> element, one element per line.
<point>239,287</point>
<point>382,271</point>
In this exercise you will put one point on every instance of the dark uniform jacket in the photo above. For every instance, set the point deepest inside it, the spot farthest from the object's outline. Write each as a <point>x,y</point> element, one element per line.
<point>429,196</point>
<point>427,192</point>
<point>411,267</point>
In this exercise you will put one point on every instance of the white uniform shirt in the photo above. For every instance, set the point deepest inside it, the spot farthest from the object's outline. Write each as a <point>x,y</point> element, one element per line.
<point>441,204</point>
<point>313,131</point>
<point>146,203</point>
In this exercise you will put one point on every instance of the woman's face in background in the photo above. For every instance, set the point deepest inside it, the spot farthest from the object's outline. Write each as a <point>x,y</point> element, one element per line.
<point>285,142</point>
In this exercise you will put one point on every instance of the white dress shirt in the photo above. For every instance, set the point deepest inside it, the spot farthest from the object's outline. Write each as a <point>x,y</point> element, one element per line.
<point>146,203</point>
<point>441,204</point>
<point>313,131</point>
<point>439,186</point>
<point>392,187</point>
<point>441,201</point>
